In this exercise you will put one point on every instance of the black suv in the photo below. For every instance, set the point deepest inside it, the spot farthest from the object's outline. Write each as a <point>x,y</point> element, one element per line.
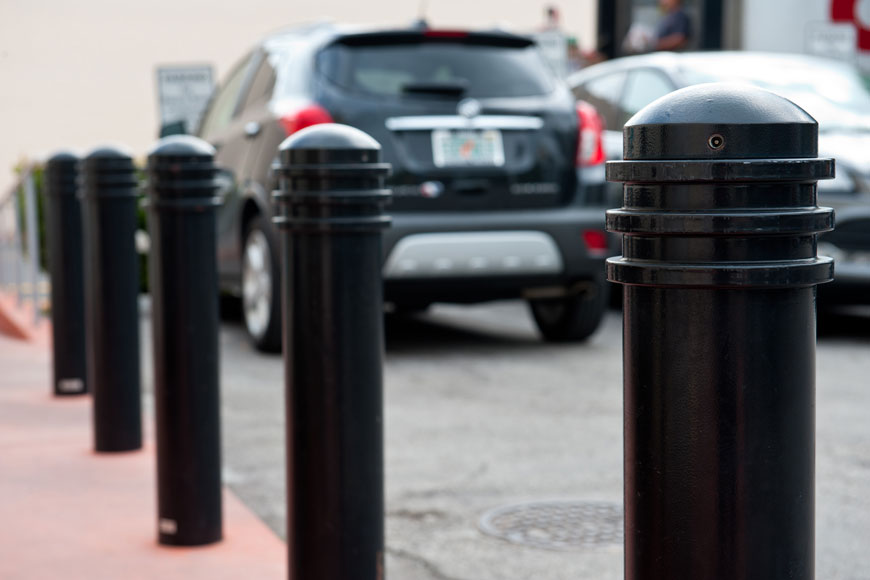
<point>492,161</point>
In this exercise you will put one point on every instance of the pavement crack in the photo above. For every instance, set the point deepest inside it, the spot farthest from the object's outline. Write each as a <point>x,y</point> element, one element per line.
<point>417,559</point>
<point>418,515</point>
<point>477,473</point>
<point>451,488</point>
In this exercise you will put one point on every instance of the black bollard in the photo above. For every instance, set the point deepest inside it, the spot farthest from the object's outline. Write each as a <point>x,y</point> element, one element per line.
<point>184,314</point>
<point>331,211</point>
<point>63,231</point>
<point>720,270</point>
<point>108,193</point>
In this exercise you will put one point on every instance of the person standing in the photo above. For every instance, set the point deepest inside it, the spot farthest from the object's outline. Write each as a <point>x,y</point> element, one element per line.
<point>674,30</point>
<point>552,41</point>
<point>551,19</point>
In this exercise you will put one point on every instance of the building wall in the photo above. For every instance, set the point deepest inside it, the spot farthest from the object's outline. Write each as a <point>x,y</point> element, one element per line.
<point>81,73</point>
<point>780,25</point>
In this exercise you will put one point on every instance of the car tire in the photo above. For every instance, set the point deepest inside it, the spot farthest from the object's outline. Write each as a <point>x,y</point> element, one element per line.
<point>410,308</point>
<point>261,286</point>
<point>570,318</point>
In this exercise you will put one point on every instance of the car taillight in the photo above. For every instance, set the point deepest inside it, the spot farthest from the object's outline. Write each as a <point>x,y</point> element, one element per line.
<point>590,146</point>
<point>305,117</point>
<point>596,242</point>
<point>430,33</point>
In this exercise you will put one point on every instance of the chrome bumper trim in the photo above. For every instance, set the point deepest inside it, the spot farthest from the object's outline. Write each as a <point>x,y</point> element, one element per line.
<point>473,254</point>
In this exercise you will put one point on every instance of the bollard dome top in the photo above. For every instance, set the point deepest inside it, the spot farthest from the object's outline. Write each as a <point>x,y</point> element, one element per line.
<point>60,175</point>
<point>182,146</point>
<point>332,136</point>
<point>329,144</point>
<point>109,152</point>
<point>62,157</point>
<point>732,103</point>
<point>721,120</point>
<point>107,171</point>
<point>181,169</point>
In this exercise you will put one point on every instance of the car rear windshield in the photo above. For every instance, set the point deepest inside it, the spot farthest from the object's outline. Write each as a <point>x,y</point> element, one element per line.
<point>426,69</point>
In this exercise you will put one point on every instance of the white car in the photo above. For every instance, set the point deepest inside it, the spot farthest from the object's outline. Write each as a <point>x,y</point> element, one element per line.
<point>833,92</point>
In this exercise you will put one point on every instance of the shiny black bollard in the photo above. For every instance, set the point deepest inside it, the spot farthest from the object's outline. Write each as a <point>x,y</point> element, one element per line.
<point>63,230</point>
<point>330,212</point>
<point>720,270</point>
<point>184,314</point>
<point>108,193</point>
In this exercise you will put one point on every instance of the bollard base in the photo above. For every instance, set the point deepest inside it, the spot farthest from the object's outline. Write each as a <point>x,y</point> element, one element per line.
<point>173,540</point>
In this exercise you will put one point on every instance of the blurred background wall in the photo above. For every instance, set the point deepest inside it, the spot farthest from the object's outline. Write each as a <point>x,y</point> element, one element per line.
<point>80,73</point>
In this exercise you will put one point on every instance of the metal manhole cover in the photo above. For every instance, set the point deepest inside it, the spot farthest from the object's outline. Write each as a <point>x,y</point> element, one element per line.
<point>556,525</point>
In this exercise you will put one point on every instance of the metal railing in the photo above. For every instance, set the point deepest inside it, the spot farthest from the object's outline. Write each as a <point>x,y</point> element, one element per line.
<point>20,271</point>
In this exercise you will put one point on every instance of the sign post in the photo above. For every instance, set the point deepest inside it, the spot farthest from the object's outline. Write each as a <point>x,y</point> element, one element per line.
<point>182,94</point>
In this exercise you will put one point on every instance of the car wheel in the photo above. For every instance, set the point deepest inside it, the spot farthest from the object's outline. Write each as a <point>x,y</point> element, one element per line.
<point>570,318</point>
<point>261,304</point>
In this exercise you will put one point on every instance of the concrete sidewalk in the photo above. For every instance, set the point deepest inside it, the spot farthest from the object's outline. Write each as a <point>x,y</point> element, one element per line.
<point>68,512</point>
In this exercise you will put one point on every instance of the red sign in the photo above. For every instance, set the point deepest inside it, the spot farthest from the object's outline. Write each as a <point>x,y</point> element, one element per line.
<point>856,12</point>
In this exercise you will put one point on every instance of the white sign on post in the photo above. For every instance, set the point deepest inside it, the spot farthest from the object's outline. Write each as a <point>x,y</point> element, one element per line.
<point>554,46</point>
<point>832,39</point>
<point>183,92</point>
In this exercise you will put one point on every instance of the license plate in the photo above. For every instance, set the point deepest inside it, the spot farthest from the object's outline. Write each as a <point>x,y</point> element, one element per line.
<point>463,148</point>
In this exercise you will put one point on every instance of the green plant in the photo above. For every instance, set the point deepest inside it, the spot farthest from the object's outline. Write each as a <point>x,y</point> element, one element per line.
<point>37,171</point>
<point>21,194</point>
<point>142,224</point>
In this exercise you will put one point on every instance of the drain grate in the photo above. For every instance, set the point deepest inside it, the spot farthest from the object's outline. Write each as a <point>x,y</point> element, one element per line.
<point>557,524</point>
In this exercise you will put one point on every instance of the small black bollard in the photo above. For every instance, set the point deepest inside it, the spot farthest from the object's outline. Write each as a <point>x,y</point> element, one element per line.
<point>64,235</point>
<point>184,314</point>
<point>331,211</point>
<point>720,270</point>
<point>108,193</point>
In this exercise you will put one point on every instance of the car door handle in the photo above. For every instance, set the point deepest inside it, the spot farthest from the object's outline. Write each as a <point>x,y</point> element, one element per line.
<point>252,129</point>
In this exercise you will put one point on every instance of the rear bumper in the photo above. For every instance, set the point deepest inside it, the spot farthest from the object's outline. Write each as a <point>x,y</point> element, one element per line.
<point>491,255</point>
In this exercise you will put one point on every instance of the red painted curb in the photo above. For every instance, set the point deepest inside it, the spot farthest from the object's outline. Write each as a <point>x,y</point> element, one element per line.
<point>70,513</point>
<point>17,321</point>
<point>10,319</point>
